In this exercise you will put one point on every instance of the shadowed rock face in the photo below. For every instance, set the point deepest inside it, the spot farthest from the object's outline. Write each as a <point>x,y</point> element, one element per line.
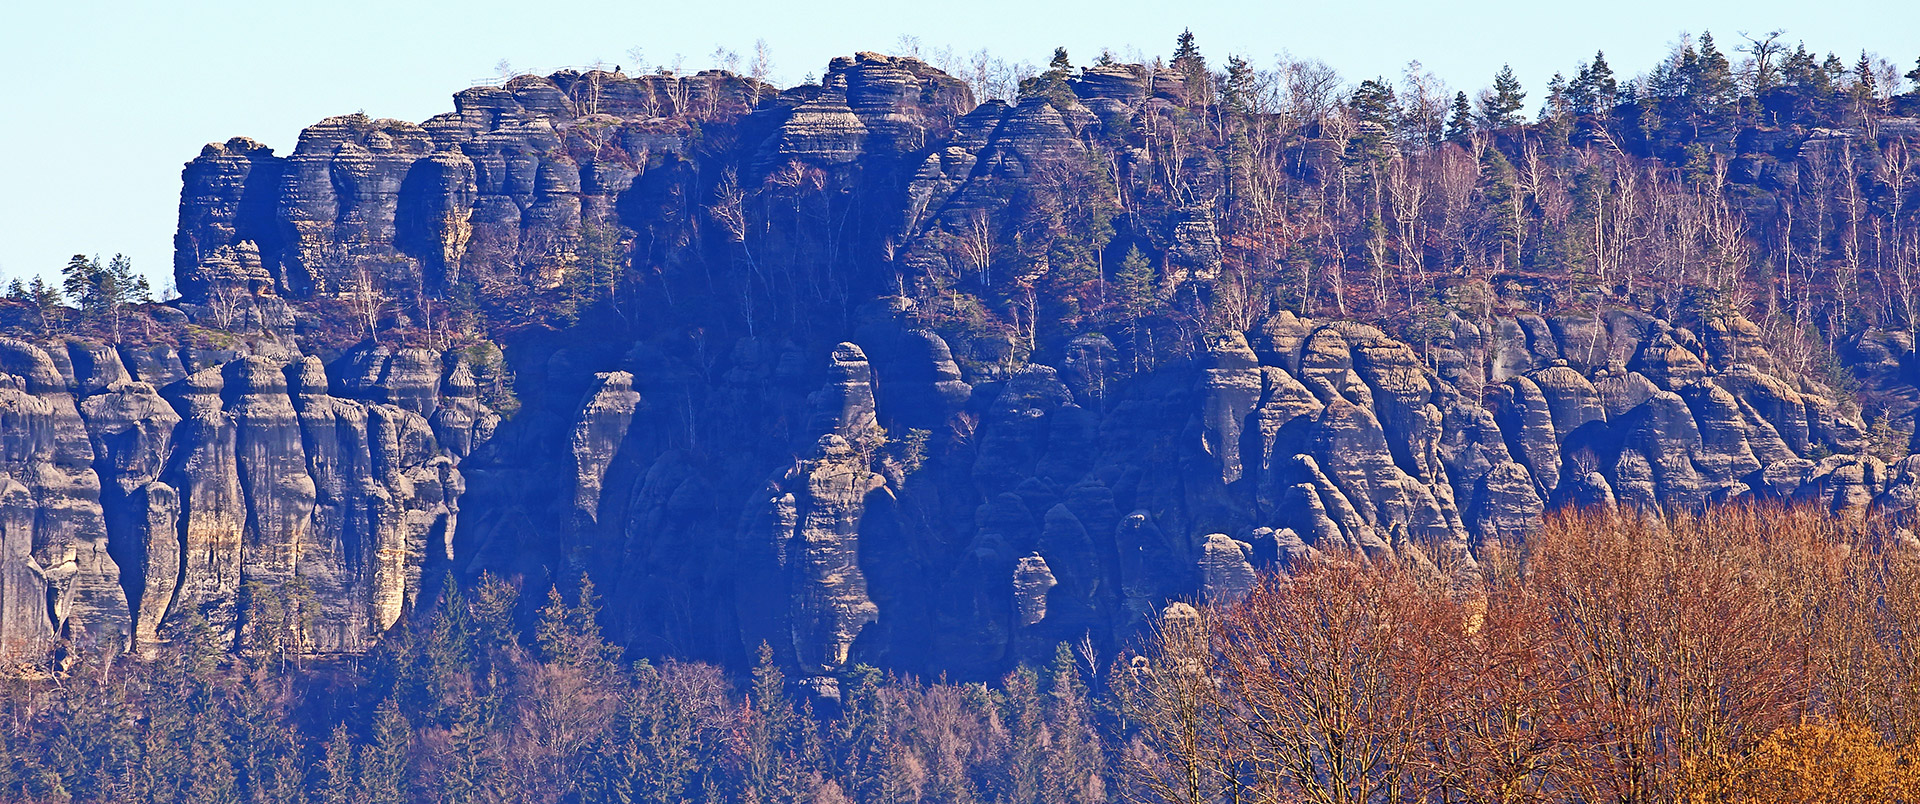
<point>773,444</point>
<point>917,514</point>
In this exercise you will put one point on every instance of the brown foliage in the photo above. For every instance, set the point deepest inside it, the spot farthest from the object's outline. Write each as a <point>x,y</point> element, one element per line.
<point>1621,657</point>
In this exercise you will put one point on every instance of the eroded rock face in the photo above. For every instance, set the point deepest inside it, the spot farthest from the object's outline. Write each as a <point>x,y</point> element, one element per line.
<point>239,488</point>
<point>919,514</point>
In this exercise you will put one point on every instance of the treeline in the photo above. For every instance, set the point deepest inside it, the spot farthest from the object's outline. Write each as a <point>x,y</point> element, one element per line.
<point>1743,655</point>
<point>456,706</point>
<point>93,297</point>
<point>1764,179</point>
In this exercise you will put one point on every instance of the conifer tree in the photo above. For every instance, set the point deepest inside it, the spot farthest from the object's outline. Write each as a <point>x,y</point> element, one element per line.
<point>1460,122</point>
<point>104,292</point>
<point>45,300</point>
<point>1865,94</point>
<point>1603,87</point>
<point>1073,770</point>
<point>1134,283</point>
<point>1024,716</point>
<point>1192,68</point>
<point>1241,85</point>
<point>1500,107</point>
<point>339,774</point>
<point>570,636</point>
<point>383,763</point>
<point>210,773</point>
<point>1373,102</point>
<point>447,657</point>
<point>466,766</point>
<point>769,731</point>
<point>1186,54</point>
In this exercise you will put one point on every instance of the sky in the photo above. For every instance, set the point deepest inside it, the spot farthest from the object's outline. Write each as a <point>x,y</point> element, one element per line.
<point>107,100</point>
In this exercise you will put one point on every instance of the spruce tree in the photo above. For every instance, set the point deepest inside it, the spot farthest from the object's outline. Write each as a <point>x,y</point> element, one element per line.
<point>1073,769</point>
<point>1242,85</point>
<point>1460,122</point>
<point>466,767</point>
<point>383,763</point>
<point>569,636</point>
<point>339,774</point>
<point>447,657</point>
<point>769,731</point>
<point>1864,92</point>
<point>1192,68</point>
<point>1602,84</point>
<point>1186,54</point>
<point>1701,93</point>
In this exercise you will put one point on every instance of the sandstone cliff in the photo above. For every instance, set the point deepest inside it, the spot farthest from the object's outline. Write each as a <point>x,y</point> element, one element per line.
<point>756,392</point>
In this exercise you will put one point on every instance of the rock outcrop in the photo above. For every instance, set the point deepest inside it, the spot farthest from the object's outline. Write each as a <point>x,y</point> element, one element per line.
<point>238,489</point>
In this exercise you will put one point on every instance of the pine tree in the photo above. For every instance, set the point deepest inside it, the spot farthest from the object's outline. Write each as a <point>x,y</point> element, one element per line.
<point>104,292</point>
<point>81,279</point>
<point>1913,77</point>
<point>1460,122</point>
<point>48,311</point>
<point>1060,61</point>
<point>1373,102</point>
<point>1500,108</point>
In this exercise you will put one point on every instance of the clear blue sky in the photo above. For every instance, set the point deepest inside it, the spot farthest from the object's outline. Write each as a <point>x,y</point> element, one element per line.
<point>106,100</point>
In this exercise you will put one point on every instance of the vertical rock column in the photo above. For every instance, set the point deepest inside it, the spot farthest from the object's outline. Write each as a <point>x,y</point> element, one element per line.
<point>50,456</point>
<point>212,506</point>
<point>270,457</point>
<point>132,432</point>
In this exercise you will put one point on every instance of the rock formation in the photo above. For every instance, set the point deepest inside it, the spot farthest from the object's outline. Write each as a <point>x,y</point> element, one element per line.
<point>783,423</point>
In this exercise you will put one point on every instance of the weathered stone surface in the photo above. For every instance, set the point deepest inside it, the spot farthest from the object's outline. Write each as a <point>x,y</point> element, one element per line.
<point>1228,574</point>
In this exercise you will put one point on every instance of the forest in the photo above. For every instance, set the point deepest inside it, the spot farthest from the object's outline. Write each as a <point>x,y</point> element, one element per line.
<point>1747,654</point>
